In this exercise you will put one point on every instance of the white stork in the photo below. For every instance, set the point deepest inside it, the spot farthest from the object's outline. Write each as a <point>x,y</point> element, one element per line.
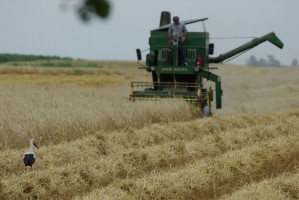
<point>29,157</point>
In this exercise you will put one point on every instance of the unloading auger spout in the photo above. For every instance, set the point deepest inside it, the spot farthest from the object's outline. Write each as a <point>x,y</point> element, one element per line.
<point>270,37</point>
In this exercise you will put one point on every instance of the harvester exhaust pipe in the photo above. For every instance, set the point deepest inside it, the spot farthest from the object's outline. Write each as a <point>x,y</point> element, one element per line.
<point>165,18</point>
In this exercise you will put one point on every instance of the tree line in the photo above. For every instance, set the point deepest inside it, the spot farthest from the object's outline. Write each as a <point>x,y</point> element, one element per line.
<point>270,61</point>
<point>22,57</point>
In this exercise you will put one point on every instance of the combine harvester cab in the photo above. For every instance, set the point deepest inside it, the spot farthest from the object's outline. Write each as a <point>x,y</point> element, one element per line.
<point>170,80</point>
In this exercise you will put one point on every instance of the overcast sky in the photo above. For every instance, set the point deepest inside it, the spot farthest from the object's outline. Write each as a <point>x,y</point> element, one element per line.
<point>52,27</point>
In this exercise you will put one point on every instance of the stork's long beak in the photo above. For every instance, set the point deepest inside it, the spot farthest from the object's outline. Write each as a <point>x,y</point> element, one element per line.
<point>35,145</point>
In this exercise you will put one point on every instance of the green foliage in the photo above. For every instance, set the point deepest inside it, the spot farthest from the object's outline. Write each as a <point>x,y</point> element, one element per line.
<point>17,60</point>
<point>66,63</point>
<point>98,8</point>
<point>55,64</point>
<point>21,57</point>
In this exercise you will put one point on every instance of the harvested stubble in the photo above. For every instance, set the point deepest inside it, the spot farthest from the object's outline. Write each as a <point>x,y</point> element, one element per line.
<point>262,154</point>
<point>285,186</point>
<point>171,160</point>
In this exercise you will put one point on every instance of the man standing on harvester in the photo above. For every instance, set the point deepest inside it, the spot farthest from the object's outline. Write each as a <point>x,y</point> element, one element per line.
<point>177,32</point>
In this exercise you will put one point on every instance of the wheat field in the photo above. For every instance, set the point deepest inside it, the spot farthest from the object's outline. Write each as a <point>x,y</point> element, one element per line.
<point>96,144</point>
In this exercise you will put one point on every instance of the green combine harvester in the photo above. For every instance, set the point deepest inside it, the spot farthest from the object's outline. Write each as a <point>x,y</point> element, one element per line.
<point>169,80</point>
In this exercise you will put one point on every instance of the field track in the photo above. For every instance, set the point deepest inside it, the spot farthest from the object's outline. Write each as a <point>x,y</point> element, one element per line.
<point>95,144</point>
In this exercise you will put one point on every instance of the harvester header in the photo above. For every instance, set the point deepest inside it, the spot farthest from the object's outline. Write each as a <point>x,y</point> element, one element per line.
<point>174,79</point>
